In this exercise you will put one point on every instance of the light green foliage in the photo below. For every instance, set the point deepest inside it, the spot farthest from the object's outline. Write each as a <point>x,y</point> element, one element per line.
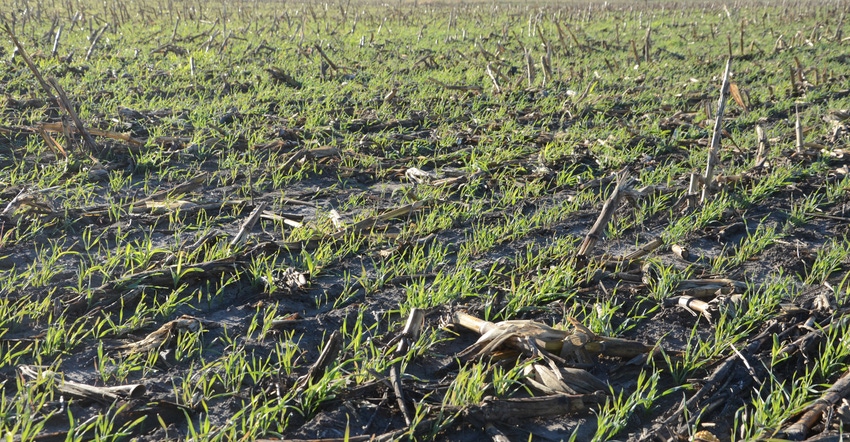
<point>614,415</point>
<point>518,166</point>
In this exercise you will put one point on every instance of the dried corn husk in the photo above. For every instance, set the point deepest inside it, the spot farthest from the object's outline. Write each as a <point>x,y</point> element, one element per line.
<point>705,436</point>
<point>552,379</point>
<point>527,336</point>
<point>163,335</point>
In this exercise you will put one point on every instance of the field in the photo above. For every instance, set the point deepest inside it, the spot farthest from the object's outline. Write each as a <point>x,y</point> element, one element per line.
<point>278,220</point>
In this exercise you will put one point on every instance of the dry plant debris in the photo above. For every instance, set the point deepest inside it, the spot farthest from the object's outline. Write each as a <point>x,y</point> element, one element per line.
<point>252,222</point>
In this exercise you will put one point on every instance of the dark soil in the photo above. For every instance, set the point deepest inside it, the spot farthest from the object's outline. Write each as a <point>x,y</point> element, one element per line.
<point>308,313</point>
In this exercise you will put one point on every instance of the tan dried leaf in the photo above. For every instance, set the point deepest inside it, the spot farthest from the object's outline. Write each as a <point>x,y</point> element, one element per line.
<point>736,95</point>
<point>553,379</point>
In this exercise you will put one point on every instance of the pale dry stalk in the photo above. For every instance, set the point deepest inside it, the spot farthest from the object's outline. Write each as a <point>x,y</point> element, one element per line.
<point>714,149</point>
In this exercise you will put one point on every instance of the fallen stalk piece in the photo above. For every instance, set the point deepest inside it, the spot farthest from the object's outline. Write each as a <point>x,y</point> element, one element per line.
<point>105,395</point>
<point>502,410</point>
<point>691,304</point>
<point>813,412</point>
<point>248,225</point>
<point>329,354</point>
<point>608,209</point>
<point>61,127</point>
<point>406,339</point>
<point>163,335</point>
<point>515,334</point>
